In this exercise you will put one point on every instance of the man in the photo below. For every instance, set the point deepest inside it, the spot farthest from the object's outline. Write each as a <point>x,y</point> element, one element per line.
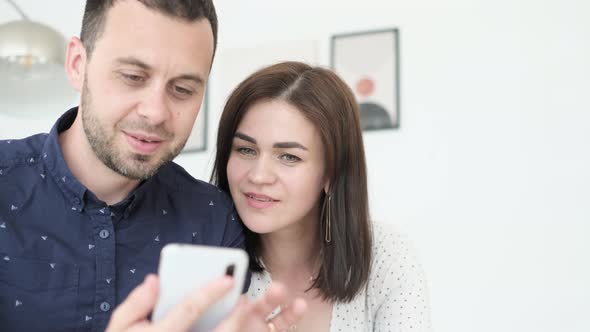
<point>86,209</point>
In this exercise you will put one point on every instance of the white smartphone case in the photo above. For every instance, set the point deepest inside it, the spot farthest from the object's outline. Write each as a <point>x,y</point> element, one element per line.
<point>184,268</point>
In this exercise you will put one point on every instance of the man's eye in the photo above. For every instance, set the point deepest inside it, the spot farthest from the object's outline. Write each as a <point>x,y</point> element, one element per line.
<point>183,91</point>
<point>133,78</point>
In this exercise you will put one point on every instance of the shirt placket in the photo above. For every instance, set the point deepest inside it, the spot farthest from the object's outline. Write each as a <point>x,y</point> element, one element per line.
<point>104,238</point>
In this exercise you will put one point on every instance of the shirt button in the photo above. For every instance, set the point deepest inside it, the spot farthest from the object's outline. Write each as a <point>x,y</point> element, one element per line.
<point>77,201</point>
<point>105,306</point>
<point>104,234</point>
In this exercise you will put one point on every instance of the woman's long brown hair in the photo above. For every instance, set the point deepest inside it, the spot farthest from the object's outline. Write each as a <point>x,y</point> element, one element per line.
<point>327,102</point>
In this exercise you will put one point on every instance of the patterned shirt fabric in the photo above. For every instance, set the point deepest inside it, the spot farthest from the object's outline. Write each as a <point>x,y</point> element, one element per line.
<point>66,258</point>
<point>395,298</point>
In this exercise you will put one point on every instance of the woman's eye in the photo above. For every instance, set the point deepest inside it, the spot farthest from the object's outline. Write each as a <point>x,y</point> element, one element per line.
<point>290,158</point>
<point>246,151</point>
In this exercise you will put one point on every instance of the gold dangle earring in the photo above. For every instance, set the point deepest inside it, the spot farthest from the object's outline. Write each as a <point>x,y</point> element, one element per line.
<point>327,216</point>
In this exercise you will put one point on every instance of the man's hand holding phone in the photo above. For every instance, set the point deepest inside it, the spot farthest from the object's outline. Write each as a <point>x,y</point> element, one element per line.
<point>132,314</point>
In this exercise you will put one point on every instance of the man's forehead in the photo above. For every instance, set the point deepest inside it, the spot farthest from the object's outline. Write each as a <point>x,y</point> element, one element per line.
<point>137,16</point>
<point>133,30</point>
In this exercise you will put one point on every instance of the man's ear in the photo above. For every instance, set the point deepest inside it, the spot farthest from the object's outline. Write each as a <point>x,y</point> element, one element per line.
<point>75,64</point>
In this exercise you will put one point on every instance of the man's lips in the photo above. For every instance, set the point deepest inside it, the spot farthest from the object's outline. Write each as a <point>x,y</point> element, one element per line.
<point>141,143</point>
<point>144,137</point>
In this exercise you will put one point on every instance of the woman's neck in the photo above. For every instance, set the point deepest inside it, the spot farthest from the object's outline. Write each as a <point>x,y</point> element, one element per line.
<point>292,253</point>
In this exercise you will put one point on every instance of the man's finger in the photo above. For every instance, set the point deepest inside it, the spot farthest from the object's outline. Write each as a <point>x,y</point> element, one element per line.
<point>183,315</point>
<point>137,305</point>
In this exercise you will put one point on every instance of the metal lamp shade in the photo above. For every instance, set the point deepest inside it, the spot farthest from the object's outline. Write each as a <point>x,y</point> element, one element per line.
<point>32,73</point>
<point>27,47</point>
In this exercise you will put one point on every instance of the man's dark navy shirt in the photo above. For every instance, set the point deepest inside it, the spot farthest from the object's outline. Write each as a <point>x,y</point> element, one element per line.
<point>66,258</point>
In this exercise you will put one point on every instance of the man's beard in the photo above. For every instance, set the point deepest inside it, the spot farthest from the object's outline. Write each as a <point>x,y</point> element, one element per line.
<point>133,165</point>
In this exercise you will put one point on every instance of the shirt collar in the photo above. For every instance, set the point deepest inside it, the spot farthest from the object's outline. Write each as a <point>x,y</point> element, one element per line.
<point>76,193</point>
<point>56,164</point>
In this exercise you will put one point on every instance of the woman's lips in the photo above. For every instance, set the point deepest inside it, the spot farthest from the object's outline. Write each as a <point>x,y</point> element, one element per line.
<point>259,201</point>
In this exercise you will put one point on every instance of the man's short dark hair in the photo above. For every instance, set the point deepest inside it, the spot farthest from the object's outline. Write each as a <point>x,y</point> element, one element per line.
<point>95,14</point>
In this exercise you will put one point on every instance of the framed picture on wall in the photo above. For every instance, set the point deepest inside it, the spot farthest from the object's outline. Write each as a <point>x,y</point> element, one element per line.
<point>197,141</point>
<point>369,63</point>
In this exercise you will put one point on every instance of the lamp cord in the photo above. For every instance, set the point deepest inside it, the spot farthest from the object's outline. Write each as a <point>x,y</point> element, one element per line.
<point>17,8</point>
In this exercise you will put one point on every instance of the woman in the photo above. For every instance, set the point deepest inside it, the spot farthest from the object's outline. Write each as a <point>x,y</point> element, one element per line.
<point>290,152</point>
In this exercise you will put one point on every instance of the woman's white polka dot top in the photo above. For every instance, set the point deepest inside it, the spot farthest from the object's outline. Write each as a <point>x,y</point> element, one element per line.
<point>395,298</point>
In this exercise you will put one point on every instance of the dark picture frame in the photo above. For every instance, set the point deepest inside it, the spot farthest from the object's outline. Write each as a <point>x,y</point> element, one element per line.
<point>368,62</point>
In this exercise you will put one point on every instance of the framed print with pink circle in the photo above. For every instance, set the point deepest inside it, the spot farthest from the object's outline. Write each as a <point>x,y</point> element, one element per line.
<point>369,63</point>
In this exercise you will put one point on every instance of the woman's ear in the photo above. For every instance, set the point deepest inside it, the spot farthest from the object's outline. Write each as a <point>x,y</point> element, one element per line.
<point>75,64</point>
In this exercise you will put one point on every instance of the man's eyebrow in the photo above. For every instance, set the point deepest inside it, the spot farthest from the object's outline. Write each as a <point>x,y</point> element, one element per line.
<point>133,61</point>
<point>191,77</point>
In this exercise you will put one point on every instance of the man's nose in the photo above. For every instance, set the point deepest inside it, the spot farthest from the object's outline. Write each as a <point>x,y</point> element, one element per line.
<point>154,107</point>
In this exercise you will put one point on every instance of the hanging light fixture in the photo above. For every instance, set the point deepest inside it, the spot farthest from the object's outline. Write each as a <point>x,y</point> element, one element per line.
<point>32,56</point>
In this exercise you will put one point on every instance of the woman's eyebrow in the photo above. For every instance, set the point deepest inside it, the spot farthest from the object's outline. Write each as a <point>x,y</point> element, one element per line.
<point>245,137</point>
<point>289,145</point>
<point>279,145</point>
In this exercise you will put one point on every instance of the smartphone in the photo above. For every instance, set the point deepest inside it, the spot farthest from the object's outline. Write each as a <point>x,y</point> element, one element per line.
<point>186,267</point>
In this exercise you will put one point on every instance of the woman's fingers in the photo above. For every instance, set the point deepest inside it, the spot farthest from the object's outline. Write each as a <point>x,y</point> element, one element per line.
<point>290,312</point>
<point>274,297</point>
<point>290,315</point>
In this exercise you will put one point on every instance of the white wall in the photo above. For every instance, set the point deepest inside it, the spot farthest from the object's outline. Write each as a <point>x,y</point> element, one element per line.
<point>489,171</point>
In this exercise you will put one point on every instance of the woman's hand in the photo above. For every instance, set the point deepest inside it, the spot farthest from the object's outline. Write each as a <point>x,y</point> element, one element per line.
<point>132,314</point>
